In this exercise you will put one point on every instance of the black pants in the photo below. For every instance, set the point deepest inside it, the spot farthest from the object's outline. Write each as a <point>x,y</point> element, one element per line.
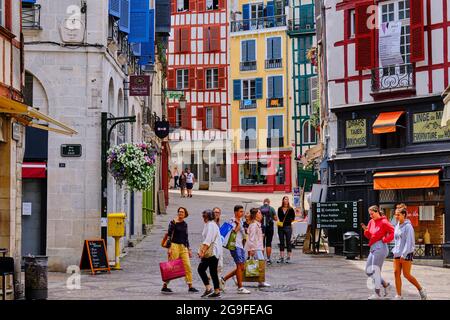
<point>175,182</point>
<point>211,263</point>
<point>285,235</point>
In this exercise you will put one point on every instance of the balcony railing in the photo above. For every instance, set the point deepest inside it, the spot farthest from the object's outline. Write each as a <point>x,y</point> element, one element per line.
<point>306,24</point>
<point>258,24</point>
<point>275,142</point>
<point>31,17</point>
<point>248,66</point>
<point>274,102</point>
<point>274,63</point>
<point>248,143</point>
<point>393,78</point>
<point>247,104</point>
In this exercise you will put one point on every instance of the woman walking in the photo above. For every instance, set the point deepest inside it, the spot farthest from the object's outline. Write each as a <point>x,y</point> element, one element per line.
<point>286,215</point>
<point>403,253</point>
<point>179,247</point>
<point>210,253</point>
<point>182,184</point>
<point>379,232</point>
<point>176,176</point>
<point>255,241</point>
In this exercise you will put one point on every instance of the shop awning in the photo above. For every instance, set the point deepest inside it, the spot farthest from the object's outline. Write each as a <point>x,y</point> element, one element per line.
<point>387,122</point>
<point>28,116</point>
<point>411,179</point>
<point>34,170</point>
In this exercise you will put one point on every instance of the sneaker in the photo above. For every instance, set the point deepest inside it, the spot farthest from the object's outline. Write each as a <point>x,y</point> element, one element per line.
<point>243,291</point>
<point>288,260</point>
<point>214,295</point>
<point>269,262</point>
<point>375,297</point>
<point>193,290</point>
<point>222,284</point>
<point>166,290</point>
<point>207,293</point>
<point>423,294</point>
<point>281,260</point>
<point>397,297</point>
<point>387,289</point>
<point>263,285</point>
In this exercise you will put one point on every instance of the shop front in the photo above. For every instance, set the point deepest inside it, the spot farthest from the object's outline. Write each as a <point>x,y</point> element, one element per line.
<point>261,172</point>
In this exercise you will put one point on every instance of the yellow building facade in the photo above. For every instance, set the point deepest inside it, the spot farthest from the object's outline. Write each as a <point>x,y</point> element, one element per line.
<point>259,95</point>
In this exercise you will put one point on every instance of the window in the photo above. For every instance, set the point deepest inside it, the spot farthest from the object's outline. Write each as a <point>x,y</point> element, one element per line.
<point>248,50</point>
<point>209,118</point>
<point>274,48</point>
<point>249,89</point>
<point>212,4</point>
<point>397,139</point>
<point>248,133</point>
<point>177,117</point>
<point>275,126</point>
<point>182,5</point>
<point>256,12</point>
<point>308,133</point>
<point>253,172</point>
<point>182,78</point>
<point>212,78</point>
<point>352,20</point>
<point>218,166</point>
<point>275,87</point>
<point>2,13</point>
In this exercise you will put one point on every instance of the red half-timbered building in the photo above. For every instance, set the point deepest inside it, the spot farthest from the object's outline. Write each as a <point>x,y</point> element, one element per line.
<point>387,64</point>
<point>198,66</point>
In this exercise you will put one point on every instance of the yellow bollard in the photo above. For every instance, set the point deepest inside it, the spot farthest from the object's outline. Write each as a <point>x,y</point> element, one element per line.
<point>116,229</point>
<point>117,253</point>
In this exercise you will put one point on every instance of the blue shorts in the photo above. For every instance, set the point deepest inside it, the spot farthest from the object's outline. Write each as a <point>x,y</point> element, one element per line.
<point>238,255</point>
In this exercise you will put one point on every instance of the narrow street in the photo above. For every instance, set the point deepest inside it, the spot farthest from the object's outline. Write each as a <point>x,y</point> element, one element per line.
<point>308,277</point>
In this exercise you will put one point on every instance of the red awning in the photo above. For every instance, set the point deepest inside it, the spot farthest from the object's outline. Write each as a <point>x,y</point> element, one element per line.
<point>34,170</point>
<point>387,122</point>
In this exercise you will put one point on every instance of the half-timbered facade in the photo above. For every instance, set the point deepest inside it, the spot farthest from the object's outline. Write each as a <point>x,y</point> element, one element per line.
<point>198,68</point>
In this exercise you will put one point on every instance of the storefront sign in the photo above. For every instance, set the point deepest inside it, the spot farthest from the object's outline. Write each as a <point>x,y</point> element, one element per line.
<point>427,127</point>
<point>162,129</point>
<point>140,86</point>
<point>173,94</point>
<point>356,133</point>
<point>71,150</point>
<point>332,215</point>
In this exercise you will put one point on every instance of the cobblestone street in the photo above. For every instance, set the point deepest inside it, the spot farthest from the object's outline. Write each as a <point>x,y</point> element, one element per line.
<point>308,277</point>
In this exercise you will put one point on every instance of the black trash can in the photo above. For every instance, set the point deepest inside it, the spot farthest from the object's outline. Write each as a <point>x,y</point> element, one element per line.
<point>36,277</point>
<point>351,245</point>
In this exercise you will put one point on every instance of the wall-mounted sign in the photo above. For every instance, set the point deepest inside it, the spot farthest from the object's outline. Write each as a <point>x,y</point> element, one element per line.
<point>173,94</point>
<point>140,86</point>
<point>162,129</point>
<point>26,208</point>
<point>427,127</point>
<point>16,131</point>
<point>356,133</point>
<point>71,150</point>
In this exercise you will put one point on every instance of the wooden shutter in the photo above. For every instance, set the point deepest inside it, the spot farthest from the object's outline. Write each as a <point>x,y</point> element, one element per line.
<point>186,121</point>
<point>173,6</point>
<point>185,35</point>
<point>171,81</point>
<point>276,48</point>
<point>215,38</point>
<point>200,79</point>
<point>259,88</point>
<point>222,4</point>
<point>191,77</point>
<point>217,117</point>
<point>270,87</point>
<point>237,94</point>
<point>192,5</point>
<point>278,87</point>
<point>222,78</point>
<point>201,4</point>
<point>177,40</point>
<point>244,51</point>
<point>201,114</point>
<point>206,38</point>
<point>172,115</point>
<point>364,37</point>
<point>417,30</point>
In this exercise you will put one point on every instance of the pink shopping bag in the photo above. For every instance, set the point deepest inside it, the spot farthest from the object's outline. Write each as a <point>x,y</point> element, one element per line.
<point>173,269</point>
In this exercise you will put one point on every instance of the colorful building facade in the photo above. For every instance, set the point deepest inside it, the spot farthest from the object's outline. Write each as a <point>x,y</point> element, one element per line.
<point>260,97</point>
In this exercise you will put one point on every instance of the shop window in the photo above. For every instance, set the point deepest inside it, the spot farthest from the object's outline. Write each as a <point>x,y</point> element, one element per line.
<point>218,166</point>
<point>394,140</point>
<point>253,173</point>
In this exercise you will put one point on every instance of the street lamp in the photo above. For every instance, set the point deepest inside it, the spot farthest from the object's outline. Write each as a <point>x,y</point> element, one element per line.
<point>182,101</point>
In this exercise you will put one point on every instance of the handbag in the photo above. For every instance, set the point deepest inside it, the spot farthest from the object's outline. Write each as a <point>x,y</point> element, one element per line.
<point>210,251</point>
<point>262,273</point>
<point>251,268</point>
<point>281,224</point>
<point>171,270</point>
<point>166,242</point>
<point>231,244</point>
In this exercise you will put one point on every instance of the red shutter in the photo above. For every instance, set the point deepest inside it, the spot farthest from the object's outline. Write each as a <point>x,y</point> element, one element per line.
<point>222,4</point>
<point>192,5</point>
<point>215,38</point>
<point>200,79</point>
<point>217,114</point>
<point>201,5</point>
<point>206,39</point>
<point>222,78</point>
<point>417,31</point>
<point>185,35</point>
<point>192,78</point>
<point>176,40</point>
<point>172,115</point>
<point>173,5</point>
<point>186,122</point>
<point>201,117</point>
<point>8,15</point>
<point>171,81</point>
<point>365,37</point>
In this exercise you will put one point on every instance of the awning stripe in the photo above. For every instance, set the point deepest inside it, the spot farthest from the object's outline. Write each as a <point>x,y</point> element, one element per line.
<point>387,122</point>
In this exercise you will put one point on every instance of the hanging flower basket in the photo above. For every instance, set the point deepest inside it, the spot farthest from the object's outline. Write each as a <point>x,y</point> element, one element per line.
<point>132,164</point>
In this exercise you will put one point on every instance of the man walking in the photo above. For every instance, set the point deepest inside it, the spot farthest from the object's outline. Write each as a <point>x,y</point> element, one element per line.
<point>217,213</point>
<point>190,180</point>
<point>238,252</point>
<point>269,216</point>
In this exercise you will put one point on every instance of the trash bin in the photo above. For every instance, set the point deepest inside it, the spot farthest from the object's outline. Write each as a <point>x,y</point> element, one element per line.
<point>351,245</point>
<point>36,277</point>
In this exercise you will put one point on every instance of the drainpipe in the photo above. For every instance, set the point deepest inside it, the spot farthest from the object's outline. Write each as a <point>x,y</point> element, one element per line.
<point>126,91</point>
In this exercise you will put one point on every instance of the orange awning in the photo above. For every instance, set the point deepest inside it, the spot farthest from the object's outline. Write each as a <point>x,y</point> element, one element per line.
<point>411,179</point>
<point>386,122</point>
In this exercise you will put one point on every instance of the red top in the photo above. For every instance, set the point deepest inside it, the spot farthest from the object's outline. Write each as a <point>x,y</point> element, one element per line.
<point>380,229</point>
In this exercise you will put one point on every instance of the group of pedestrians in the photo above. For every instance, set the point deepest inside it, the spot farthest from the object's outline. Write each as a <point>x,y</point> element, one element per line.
<point>251,239</point>
<point>184,180</point>
<point>380,233</point>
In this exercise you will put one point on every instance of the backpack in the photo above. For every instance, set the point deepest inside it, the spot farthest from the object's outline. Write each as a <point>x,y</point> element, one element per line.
<point>267,216</point>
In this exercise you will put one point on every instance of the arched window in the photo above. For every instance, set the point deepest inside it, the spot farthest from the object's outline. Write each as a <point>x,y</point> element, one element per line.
<point>308,133</point>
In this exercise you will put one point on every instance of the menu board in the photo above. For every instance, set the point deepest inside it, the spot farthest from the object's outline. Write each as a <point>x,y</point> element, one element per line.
<point>356,133</point>
<point>94,256</point>
<point>427,127</point>
<point>332,215</point>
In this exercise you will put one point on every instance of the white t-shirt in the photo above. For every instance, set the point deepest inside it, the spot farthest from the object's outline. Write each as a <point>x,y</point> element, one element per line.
<point>211,237</point>
<point>240,234</point>
<point>190,178</point>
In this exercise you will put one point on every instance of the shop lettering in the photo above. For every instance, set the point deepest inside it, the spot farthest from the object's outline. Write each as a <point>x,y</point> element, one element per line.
<point>356,133</point>
<point>427,127</point>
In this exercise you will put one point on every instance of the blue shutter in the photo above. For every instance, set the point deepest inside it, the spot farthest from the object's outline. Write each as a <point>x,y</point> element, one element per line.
<point>124,22</point>
<point>139,21</point>
<point>259,88</point>
<point>276,44</point>
<point>244,51</point>
<point>270,12</point>
<point>270,48</point>
<point>29,1</point>
<point>278,87</point>
<point>152,36</point>
<point>237,90</point>
<point>251,50</point>
<point>246,16</point>
<point>114,8</point>
<point>144,60</point>
<point>270,87</point>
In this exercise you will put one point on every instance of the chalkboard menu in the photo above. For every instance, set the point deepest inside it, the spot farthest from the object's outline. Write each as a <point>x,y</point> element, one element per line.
<point>332,215</point>
<point>95,256</point>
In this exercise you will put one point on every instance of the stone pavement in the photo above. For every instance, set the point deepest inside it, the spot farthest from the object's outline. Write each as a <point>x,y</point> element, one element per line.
<point>308,277</point>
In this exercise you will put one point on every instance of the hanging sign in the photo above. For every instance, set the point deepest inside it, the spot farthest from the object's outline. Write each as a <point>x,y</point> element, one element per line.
<point>140,86</point>
<point>389,43</point>
<point>162,129</point>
